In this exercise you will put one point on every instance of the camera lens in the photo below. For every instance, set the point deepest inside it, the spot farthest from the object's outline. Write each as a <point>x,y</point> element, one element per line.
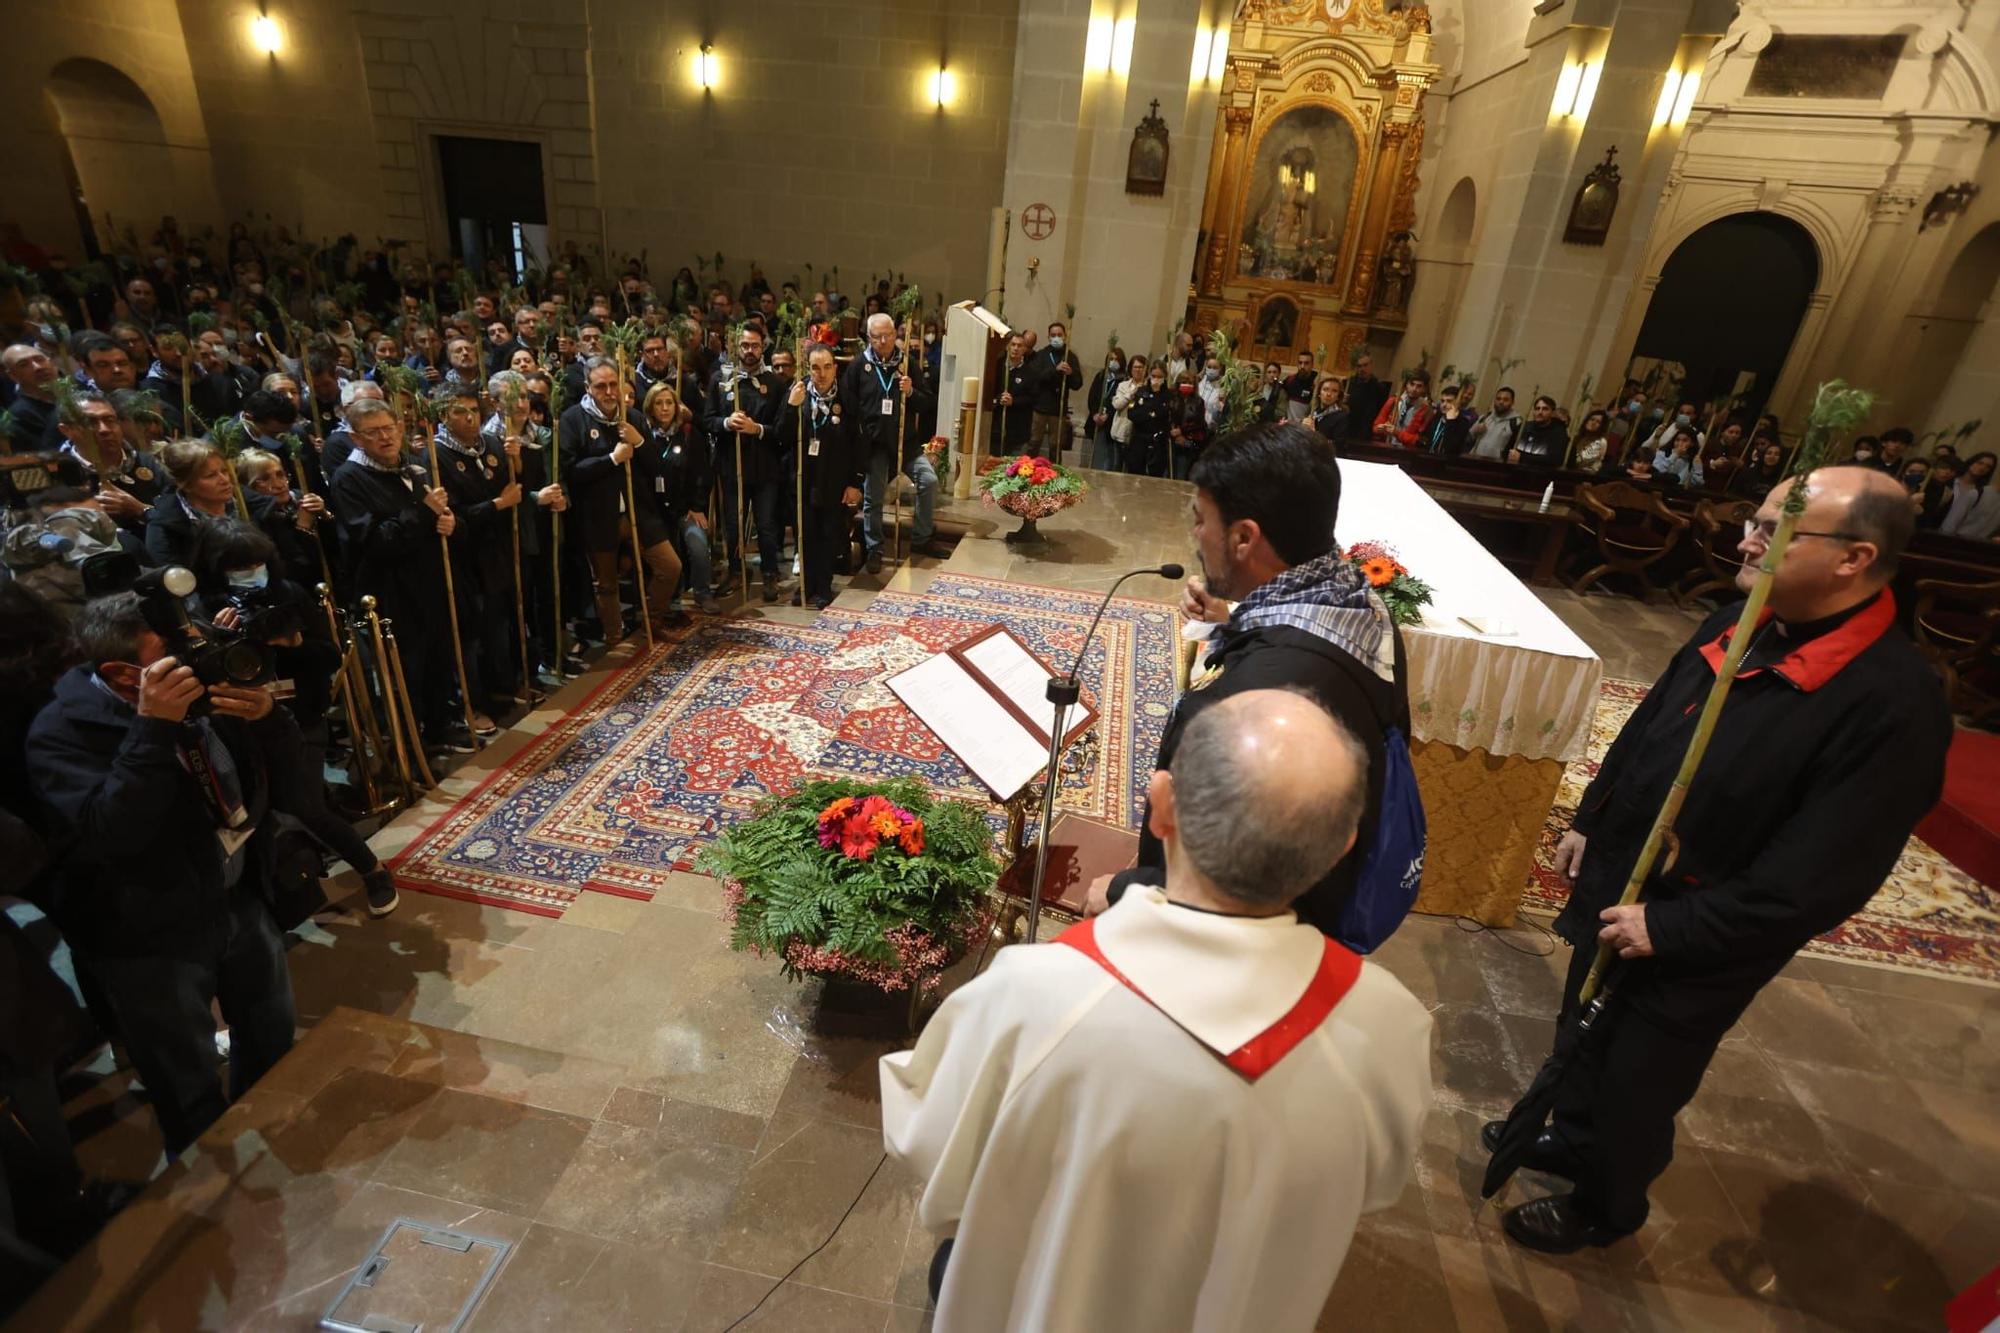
<point>242,663</point>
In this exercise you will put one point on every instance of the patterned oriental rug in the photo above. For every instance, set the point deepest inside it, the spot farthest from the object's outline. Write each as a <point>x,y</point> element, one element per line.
<point>1929,917</point>
<point>685,740</point>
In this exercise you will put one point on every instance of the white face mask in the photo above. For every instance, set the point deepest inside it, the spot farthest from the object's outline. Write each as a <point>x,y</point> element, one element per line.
<point>1056,344</point>
<point>929,338</point>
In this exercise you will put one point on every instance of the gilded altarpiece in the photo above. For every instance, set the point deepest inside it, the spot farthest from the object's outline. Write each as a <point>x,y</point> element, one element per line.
<point>1306,225</point>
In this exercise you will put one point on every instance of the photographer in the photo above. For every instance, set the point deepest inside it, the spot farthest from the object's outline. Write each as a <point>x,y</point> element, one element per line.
<point>242,593</point>
<point>164,809</point>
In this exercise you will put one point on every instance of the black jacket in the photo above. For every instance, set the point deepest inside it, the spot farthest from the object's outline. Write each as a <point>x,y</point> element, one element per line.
<point>481,547</point>
<point>169,532</point>
<point>676,467</point>
<point>139,476</point>
<point>1365,397</point>
<point>1152,415</point>
<point>861,393</point>
<point>533,474</point>
<point>1299,385</point>
<point>389,539</point>
<point>1019,382</point>
<point>1280,657</point>
<point>763,397</point>
<point>595,485</point>
<point>1331,423</point>
<point>1821,764</point>
<point>1052,372</point>
<point>142,870</point>
<point>839,460</point>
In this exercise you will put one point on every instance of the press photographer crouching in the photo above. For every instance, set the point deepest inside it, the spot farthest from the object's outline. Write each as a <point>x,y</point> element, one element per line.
<point>158,784</point>
<point>243,594</point>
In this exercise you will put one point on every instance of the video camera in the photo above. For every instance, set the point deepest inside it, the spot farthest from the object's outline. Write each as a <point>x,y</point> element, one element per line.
<point>216,655</point>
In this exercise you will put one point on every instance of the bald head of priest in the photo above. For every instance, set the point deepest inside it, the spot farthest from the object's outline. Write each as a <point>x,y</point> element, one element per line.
<point>1175,1114</point>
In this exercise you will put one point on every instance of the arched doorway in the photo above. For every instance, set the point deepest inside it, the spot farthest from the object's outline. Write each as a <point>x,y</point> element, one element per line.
<point>1729,303</point>
<point>121,170</point>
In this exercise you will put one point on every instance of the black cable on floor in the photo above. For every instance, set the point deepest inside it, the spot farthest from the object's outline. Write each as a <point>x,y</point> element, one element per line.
<point>817,1248</point>
<point>1471,927</point>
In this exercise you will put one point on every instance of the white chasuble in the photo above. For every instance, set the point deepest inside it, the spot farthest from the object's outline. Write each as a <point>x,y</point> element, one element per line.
<point>1158,1124</point>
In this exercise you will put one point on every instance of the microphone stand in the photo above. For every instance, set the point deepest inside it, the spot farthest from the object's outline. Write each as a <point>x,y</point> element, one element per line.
<point>1063,693</point>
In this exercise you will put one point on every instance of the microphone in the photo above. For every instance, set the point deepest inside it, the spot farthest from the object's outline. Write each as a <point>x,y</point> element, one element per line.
<point>1063,693</point>
<point>1164,571</point>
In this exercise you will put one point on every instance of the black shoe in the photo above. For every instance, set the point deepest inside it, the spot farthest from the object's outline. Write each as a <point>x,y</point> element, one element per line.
<point>770,589</point>
<point>875,561</point>
<point>380,886</point>
<point>1554,1226</point>
<point>822,602</point>
<point>460,741</point>
<point>1548,1153</point>
<point>572,667</point>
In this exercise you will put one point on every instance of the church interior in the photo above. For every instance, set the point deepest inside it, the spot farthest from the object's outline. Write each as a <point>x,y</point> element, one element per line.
<point>1566,286</point>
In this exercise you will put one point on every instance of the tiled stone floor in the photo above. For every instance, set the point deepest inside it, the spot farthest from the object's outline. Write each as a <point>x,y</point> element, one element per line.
<point>664,1127</point>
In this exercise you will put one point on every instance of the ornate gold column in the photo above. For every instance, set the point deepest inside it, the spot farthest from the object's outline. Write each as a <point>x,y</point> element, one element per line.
<point>1222,198</point>
<point>1375,222</point>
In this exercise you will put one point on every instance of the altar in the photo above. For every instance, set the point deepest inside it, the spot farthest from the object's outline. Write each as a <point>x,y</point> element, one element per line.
<point>1502,694</point>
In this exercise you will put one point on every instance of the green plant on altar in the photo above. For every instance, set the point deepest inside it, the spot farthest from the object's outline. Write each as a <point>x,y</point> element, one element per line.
<point>1403,594</point>
<point>1031,487</point>
<point>875,882</point>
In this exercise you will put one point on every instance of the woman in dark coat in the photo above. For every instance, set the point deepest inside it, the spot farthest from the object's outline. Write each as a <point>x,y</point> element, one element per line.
<point>1151,414</point>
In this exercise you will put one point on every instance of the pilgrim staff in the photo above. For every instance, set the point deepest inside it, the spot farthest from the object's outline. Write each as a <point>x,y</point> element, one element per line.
<point>451,601</point>
<point>639,566</point>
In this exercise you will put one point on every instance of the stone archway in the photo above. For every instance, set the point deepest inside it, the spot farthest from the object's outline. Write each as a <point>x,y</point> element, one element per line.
<point>1954,373</point>
<point>121,166</point>
<point>1730,299</point>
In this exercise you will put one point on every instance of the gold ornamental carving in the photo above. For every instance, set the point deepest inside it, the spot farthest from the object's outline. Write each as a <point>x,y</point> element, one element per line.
<point>1319,82</point>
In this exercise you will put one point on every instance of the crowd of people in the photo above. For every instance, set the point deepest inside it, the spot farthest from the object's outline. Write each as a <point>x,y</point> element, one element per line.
<point>211,485</point>
<point>208,480</point>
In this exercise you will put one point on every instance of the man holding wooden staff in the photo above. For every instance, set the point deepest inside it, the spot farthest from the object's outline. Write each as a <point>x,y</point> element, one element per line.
<point>887,406</point>
<point>1059,373</point>
<point>1829,749</point>
<point>743,408</point>
<point>484,496</point>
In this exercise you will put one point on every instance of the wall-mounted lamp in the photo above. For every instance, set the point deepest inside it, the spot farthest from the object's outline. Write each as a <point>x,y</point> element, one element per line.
<point>1676,98</point>
<point>943,88</point>
<point>705,68</point>
<point>1576,89</point>
<point>1211,55</point>
<point>1097,46</point>
<point>266,35</point>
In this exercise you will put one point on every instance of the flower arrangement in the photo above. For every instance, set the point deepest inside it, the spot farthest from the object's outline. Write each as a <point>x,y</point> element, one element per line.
<point>1403,593</point>
<point>871,882</point>
<point>1031,487</point>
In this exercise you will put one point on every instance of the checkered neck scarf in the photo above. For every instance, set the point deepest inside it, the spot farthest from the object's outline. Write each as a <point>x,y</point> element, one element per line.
<point>1327,598</point>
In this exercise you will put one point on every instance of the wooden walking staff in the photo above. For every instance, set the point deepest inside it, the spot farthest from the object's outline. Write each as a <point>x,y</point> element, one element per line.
<point>632,510</point>
<point>299,472</point>
<point>520,599</point>
<point>896,451</point>
<point>799,369</point>
<point>743,495</point>
<point>364,743</point>
<point>555,518</point>
<point>385,667</point>
<point>451,598</point>
<point>1836,407</point>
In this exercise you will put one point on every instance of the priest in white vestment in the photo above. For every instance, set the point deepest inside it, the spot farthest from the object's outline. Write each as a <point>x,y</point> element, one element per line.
<point>1174,1115</point>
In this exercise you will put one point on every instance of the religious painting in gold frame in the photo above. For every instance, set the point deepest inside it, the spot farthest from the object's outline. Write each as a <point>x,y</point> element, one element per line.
<point>1299,197</point>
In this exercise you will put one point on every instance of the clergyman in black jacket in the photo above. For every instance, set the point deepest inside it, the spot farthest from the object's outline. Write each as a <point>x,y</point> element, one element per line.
<point>1830,751</point>
<point>164,823</point>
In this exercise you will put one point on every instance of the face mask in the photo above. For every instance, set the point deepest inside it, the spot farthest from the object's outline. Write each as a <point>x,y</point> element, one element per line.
<point>1157,385</point>
<point>1212,374</point>
<point>249,579</point>
<point>1634,405</point>
<point>1683,419</point>
<point>1187,388</point>
<point>1114,366</point>
<point>929,338</point>
<point>1056,344</point>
